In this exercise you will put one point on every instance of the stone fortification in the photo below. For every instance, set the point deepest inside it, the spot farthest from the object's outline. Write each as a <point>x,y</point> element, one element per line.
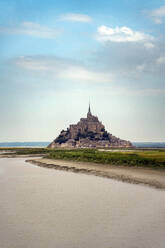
<point>88,132</point>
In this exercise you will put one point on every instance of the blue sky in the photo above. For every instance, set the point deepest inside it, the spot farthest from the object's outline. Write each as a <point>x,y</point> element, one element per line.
<point>55,55</point>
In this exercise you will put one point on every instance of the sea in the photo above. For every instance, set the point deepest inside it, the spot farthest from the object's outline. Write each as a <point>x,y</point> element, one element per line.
<point>25,144</point>
<point>46,143</point>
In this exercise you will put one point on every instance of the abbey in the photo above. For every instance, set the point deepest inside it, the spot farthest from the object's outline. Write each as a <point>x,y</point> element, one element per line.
<point>88,132</point>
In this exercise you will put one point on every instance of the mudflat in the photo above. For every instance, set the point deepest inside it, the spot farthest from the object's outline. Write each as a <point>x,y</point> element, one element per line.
<point>51,208</point>
<point>136,175</point>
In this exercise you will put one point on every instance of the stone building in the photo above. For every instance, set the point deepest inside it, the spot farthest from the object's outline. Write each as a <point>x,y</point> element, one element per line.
<point>88,132</point>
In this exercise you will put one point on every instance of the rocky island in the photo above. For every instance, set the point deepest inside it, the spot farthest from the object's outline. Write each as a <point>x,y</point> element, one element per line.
<point>88,132</point>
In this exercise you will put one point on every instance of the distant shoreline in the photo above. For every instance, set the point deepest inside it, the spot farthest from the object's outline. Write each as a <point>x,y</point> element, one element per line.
<point>43,144</point>
<point>145,176</point>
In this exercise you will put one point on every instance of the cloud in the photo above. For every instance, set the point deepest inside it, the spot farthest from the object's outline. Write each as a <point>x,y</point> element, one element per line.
<point>133,63</point>
<point>160,60</point>
<point>121,34</point>
<point>133,91</point>
<point>82,74</point>
<point>62,69</point>
<point>72,17</point>
<point>32,29</point>
<point>158,14</point>
<point>143,92</point>
<point>141,67</point>
<point>149,45</point>
<point>147,92</point>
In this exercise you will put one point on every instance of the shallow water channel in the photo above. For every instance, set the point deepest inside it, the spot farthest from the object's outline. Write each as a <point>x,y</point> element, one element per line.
<point>42,207</point>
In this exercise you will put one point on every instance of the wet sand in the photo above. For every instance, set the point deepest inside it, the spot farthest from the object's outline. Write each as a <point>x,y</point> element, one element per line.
<point>42,208</point>
<point>136,175</point>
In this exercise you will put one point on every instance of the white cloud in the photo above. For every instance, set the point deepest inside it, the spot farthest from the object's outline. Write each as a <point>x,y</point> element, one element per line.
<point>80,73</point>
<point>121,34</point>
<point>62,69</point>
<point>138,92</point>
<point>160,60</point>
<point>141,67</point>
<point>131,91</point>
<point>133,62</point>
<point>32,29</point>
<point>149,45</point>
<point>72,17</point>
<point>158,14</point>
<point>33,63</point>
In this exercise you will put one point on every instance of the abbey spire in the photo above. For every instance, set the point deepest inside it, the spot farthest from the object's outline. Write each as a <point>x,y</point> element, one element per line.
<point>89,111</point>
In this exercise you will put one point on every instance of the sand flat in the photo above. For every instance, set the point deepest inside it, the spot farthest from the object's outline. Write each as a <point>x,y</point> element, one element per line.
<point>52,208</point>
<point>147,176</point>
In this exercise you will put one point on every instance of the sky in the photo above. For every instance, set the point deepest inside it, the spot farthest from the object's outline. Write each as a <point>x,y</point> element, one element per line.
<point>56,56</point>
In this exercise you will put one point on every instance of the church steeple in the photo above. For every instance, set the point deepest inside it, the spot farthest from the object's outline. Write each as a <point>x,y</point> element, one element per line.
<point>89,111</point>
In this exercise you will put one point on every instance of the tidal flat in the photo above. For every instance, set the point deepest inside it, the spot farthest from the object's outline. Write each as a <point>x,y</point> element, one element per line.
<point>135,175</point>
<point>145,166</point>
<point>42,207</point>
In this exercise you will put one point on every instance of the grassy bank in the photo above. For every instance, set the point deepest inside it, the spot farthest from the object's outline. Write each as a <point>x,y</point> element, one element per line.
<point>24,150</point>
<point>141,158</point>
<point>152,158</point>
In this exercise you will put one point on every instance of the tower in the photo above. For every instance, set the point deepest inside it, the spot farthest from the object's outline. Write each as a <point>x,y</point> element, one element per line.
<point>89,114</point>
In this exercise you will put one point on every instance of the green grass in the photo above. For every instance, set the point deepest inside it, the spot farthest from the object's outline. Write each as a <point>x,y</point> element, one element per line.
<point>136,157</point>
<point>24,151</point>
<point>154,158</point>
